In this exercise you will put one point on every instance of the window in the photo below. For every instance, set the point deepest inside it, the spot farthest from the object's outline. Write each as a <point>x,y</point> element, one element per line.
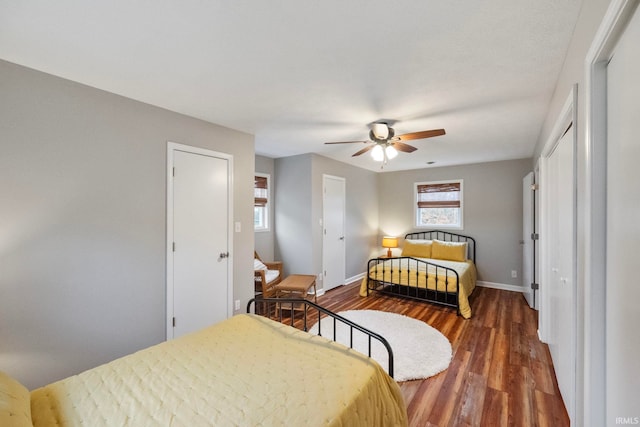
<point>438,204</point>
<point>261,202</point>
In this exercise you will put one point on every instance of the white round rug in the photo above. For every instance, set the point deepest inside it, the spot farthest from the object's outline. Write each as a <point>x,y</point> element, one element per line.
<point>419,351</point>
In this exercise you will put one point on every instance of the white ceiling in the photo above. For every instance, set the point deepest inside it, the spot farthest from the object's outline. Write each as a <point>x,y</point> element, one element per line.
<point>298,73</point>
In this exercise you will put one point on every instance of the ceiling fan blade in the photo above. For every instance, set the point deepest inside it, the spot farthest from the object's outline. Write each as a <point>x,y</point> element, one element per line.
<point>364,150</point>
<point>347,142</point>
<point>420,135</point>
<point>406,148</point>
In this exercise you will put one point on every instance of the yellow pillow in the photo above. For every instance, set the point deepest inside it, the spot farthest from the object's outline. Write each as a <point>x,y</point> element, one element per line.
<point>15,403</point>
<point>417,248</point>
<point>451,251</point>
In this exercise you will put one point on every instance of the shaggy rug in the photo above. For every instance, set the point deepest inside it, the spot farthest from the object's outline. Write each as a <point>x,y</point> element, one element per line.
<point>419,351</point>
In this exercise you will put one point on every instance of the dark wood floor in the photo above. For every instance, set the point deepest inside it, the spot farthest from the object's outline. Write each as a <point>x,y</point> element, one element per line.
<point>500,373</point>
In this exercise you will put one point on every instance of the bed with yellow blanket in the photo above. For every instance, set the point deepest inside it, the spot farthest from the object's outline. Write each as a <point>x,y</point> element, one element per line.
<point>434,266</point>
<point>245,371</point>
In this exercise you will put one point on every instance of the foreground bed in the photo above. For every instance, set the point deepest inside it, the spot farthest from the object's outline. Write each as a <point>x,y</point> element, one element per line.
<point>247,371</point>
<point>435,266</point>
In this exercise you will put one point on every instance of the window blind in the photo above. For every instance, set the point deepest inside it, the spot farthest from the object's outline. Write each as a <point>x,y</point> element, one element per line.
<point>260,191</point>
<point>443,195</point>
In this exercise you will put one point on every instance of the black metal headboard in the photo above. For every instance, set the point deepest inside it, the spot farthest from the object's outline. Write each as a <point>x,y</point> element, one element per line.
<point>446,237</point>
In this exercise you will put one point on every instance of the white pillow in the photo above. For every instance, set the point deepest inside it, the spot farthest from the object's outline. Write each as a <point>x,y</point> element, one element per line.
<point>258,265</point>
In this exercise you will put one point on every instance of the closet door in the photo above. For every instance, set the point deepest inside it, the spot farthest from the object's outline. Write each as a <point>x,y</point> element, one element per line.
<point>561,258</point>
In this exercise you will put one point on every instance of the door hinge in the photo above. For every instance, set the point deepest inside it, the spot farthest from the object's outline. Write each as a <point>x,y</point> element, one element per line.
<point>173,321</point>
<point>535,286</point>
<point>173,171</point>
<point>325,272</point>
<point>535,236</point>
<point>173,246</point>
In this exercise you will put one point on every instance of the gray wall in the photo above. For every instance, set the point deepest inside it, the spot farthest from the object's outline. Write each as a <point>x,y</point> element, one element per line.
<point>82,224</point>
<point>264,240</point>
<point>361,222</point>
<point>492,211</point>
<point>294,237</point>
<point>299,210</point>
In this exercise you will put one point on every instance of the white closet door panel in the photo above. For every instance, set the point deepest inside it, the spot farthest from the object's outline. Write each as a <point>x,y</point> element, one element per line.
<point>562,344</point>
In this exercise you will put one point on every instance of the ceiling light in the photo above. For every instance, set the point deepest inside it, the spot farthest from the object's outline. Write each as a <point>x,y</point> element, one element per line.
<point>390,152</point>
<point>380,130</point>
<point>377,153</point>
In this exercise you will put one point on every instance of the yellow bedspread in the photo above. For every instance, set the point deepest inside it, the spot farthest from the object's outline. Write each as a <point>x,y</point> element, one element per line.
<point>245,371</point>
<point>403,271</point>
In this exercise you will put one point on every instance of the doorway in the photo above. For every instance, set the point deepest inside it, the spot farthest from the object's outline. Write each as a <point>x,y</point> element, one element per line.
<point>333,236</point>
<point>199,285</point>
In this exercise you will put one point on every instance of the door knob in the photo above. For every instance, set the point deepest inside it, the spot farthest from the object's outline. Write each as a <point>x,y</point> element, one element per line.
<point>342,238</point>
<point>224,254</point>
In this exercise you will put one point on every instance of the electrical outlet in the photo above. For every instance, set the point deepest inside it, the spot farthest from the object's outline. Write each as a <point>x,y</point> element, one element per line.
<point>237,304</point>
<point>514,273</point>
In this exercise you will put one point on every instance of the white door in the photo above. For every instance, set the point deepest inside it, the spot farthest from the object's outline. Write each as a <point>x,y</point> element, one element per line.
<point>198,285</point>
<point>623,230</point>
<point>528,260</point>
<point>333,241</point>
<point>561,286</point>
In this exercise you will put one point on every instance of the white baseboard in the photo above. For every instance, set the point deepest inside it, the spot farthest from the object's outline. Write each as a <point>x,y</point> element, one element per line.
<point>354,278</point>
<point>502,286</point>
<point>346,282</point>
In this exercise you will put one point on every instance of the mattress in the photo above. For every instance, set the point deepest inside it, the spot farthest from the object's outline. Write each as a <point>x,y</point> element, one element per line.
<point>408,272</point>
<point>244,371</point>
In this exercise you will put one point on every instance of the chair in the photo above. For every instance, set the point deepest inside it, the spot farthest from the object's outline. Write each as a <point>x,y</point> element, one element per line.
<point>266,275</point>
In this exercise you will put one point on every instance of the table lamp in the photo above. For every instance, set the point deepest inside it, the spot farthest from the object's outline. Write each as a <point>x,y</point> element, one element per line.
<point>389,242</point>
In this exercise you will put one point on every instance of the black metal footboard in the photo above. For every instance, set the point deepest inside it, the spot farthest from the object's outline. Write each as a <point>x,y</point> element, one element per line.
<point>409,277</point>
<point>298,312</point>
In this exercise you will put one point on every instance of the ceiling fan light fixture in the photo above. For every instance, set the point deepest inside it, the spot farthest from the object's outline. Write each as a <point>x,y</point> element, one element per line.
<point>377,153</point>
<point>391,152</point>
<point>380,130</point>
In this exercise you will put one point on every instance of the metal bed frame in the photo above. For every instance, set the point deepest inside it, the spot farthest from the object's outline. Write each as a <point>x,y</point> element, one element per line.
<point>396,286</point>
<point>313,312</point>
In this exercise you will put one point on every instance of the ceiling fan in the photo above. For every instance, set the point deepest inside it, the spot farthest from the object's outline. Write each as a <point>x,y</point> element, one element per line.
<point>385,144</point>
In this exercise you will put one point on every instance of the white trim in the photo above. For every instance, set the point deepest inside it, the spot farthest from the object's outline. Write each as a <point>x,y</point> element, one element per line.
<point>171,148</point>
<point>592,267</point>
<point>501,286</point>
<point>354,278</point>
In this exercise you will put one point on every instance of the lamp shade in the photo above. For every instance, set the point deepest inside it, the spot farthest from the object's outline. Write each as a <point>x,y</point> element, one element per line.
<point>389,242</point>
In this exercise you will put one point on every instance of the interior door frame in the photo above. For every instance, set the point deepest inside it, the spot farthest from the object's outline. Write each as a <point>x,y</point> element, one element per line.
<point>592,268</point>
<point>171,148</point>
<point>529,277</point>
<point>324,243</point>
